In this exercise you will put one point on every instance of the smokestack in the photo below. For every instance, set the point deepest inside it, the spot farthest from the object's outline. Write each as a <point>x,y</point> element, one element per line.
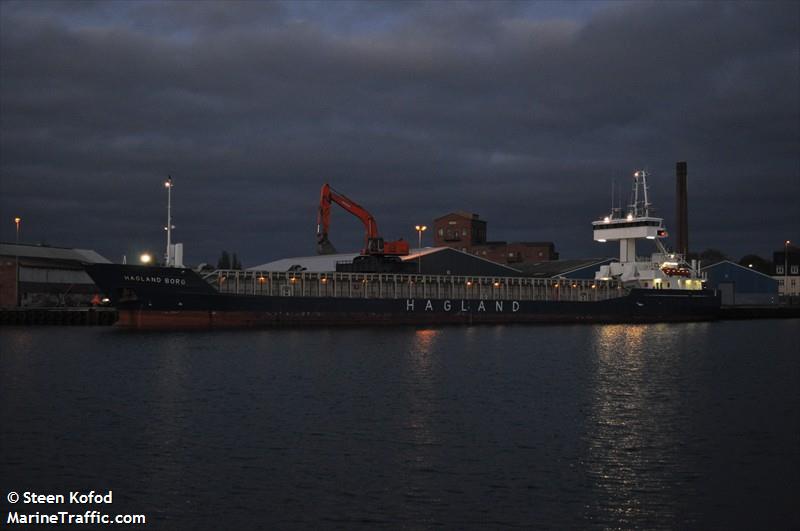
<point>682,209</point>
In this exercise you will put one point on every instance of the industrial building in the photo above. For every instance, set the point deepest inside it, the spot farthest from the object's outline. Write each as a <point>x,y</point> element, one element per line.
<point>741,286</point>
<point>37,276</point>
<point>467,232</point>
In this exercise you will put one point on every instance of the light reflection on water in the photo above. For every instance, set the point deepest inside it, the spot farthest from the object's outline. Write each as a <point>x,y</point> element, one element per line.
<point>631,454</point>
<point>422,380</point>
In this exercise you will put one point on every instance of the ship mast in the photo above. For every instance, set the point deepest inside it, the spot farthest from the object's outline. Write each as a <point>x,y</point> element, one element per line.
<point>640,207</point>
<point>168,261</point>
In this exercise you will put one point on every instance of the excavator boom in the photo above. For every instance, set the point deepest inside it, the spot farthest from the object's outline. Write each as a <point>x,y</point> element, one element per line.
<point>374,244</point>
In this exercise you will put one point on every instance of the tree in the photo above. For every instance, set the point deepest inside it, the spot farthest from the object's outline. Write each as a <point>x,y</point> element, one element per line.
<point>756,262</point>
<point>224,261</point>
<point>708,257</point>
<point>228,261</point>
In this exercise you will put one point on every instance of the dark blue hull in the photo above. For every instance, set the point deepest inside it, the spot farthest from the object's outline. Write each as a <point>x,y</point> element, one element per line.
<point>159,297</point>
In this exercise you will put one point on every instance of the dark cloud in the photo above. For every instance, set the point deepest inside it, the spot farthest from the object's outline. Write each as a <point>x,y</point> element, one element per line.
<point>522,112</point>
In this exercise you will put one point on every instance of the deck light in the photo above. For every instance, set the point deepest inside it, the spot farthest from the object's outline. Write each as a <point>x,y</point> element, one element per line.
<point>145,258</point>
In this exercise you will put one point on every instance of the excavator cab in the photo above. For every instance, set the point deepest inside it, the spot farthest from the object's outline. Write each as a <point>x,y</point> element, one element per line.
<point>396,248</point>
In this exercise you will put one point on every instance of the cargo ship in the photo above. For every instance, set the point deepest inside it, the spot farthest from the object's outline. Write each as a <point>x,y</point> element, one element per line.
<point>660,288</point>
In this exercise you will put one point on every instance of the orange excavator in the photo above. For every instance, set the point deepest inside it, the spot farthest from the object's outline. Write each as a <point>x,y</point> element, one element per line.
<point>374,245</point>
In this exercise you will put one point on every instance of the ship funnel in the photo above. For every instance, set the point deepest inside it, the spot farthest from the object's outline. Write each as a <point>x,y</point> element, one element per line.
<point>682,209</point>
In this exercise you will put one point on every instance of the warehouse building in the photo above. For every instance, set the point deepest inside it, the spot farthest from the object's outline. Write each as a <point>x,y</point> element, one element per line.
<point>467,232</point>
<point>37,276</point>
<point>741,286</point>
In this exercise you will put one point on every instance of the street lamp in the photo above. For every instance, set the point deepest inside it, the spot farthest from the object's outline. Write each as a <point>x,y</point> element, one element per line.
<point>786,268</point>
<point>16,269</point>
<point>420,229</point>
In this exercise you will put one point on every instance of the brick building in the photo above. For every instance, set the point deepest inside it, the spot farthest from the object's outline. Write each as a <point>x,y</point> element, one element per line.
<point>467,232</point>
<point>459,230</point>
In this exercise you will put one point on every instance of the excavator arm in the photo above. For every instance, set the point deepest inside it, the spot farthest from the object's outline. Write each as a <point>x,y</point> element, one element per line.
<point>373,244</point>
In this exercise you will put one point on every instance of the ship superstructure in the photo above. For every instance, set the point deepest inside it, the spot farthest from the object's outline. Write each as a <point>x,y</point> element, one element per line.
<point>662,269</point>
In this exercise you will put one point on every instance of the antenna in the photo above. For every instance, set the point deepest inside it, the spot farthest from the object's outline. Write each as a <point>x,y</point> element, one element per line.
<point>612,196</point>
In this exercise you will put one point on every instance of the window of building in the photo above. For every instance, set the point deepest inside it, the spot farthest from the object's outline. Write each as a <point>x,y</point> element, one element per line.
<point>441,232</point>
<point>779,270</point>
<point>780,283</point>
<point>794,269</point>
<point>463,232</point>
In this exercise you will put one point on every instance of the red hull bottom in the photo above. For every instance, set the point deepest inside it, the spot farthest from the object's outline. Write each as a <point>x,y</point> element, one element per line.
<point>235,319</point>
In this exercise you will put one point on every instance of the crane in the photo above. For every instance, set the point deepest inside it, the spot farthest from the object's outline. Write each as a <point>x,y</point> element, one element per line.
<point>374,245</point>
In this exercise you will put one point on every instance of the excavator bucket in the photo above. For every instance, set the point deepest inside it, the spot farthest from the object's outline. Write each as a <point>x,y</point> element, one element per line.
<point>324,246</point>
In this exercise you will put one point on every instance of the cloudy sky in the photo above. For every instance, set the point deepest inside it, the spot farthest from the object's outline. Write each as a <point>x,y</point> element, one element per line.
<point>522,112</point>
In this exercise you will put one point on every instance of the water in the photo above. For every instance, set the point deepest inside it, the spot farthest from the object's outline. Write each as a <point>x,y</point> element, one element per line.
<point>655,426</point>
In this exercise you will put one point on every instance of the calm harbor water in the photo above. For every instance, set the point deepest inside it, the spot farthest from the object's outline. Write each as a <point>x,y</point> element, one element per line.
<point>654,426</point>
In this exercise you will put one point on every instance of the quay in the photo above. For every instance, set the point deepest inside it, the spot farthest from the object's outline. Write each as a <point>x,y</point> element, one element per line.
<point>59,316</point>
<point>760,312</point>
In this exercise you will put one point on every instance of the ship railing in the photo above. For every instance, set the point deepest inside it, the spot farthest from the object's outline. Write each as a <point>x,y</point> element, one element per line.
<point>409,286</point>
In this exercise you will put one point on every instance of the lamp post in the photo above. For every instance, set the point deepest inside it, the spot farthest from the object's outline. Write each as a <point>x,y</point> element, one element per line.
<point>420,229</point>
<point>168,186</point>
<point>17,221</point>
<point>786,269</point>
